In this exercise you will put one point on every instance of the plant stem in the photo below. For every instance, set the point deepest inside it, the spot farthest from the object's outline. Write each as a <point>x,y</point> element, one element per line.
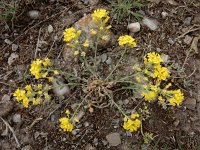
<point>116,64</point>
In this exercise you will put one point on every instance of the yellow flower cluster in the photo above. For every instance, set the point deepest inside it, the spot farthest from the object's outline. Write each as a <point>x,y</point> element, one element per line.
<point>132,124</point>
<point>40,68</point>
<point>127,41</point>
<point>37,66</point>
<point>100,14</point>
<point>65,124</point>
<point>32,94</point>
<point>71,34</point>
<point>154,70</point>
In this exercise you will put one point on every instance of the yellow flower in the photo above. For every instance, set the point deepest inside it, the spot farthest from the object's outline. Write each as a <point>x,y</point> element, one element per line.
<point>28,88</point>
<point>70,34</point>
<point>65,124</point>
<point>36,101</point>
<point>56,72</point>
<point>99,14</point>
<point>19,94</point>
<point>177,97</point>
<point>86,43</point>
<point>161,99</point>
<point>36,68</point>
<point>132,124</point>
<point>153,58</point>
<point>83,54</point>
<point>127,40</point>
<point>47,62</point>
<point>25,102</point>
<point>108,27</point>
<point>39,86</point>
<point>67,112</point>
<point>138,79</point>
<point>47,96</point>
<point>50,79</point>
<point>76,53</point>
<point>93,32</point>
<point>149,95</point>
<point>39,92</point>
<point>161,73</point>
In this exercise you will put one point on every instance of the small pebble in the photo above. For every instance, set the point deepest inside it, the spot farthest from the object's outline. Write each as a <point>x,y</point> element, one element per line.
<point>104,57</point>
<point>12,58</point>
<point>5,98</point>
<point>14,47</point>
<point>134,27</point>
<point>109,61</point>
<point>170,41</point>
<point>114,139</point>
<point>187,21</point>
<point>34,14</point>
<point>16,118</point>
<point>50,28</point>
<point>187,40</point>
<point>152,24</point>
<point>164,14</point>
<point>86,124</point>
<point>7,41</point>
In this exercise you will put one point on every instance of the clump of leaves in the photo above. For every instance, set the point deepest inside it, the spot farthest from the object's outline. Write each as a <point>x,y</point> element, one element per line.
<point>124,8</point>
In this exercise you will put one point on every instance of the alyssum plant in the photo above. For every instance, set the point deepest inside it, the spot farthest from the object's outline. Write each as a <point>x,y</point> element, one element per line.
<point>97,88</point>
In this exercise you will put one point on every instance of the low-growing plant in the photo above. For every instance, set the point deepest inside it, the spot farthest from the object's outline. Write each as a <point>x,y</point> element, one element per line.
<point>122,9</point>
<point>8,12</point>
<point>97,89</point>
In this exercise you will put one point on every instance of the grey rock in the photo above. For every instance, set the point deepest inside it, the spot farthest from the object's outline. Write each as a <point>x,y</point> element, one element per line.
<point>27,147</point>
<point>126,101</point>
<point>16,118</point>
<point>134,27</point>
<point>59,88</point>
<point>164,14</point>
<point>190,103</point>
<point>170,41</point>
<point>5,98</point>
<point>12,58</point>
<point>104,57</point>
<point>187,21</point>
<point>86,124</point>
<point>74,132</point>
<point>114,139</point>
<point>152,24</point>
<point>5,108</point>
<point>7,41</point>
<point>104,142</point>
<point>33,14</point>
<point>165,58</point>
<point>158,49</point>
<point>95,141</point>
<point>109,61</point>
<point>187,40</point>
<point>50,28</point>
<point>90,147</point>
<point>14,47</point>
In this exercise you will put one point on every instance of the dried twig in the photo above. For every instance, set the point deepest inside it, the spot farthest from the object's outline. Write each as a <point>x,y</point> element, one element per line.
<point>37,45</point>
<point>11,129</point>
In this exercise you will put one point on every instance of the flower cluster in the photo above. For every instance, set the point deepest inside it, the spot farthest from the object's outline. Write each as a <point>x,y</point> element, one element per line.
<point>71,34</point>
<point>132,124</point>
<point>154,72</point>
<point>33,94</point>
<point>127,41</point>
<point>65,124</point>
<point>40,68</point>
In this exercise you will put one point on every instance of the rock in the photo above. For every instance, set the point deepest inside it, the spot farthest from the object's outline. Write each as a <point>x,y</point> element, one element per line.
<point>152,24</point>
<point>194,45</point>
<point>155,1</point>
<point>86,124</point>
<point>109,61</point>
<point>172,2</point>
<point>196,19</point>
<point>7,41</point>
<point>170,41</point>
<point>14,47</point>
<point>104,142</point>
<point>134,27</point>
<point>12,58</point>
<point>190,103</point>
<point>5,98</point>
<point>164,14</point>
<point>60,88</point>
<point>33,14</point>
<point>90,147</point>
<point>91,2</point>
<point>16,118</point>
<point>95,141</point>
<point>187,40</point>
<point>74,132</point>
<point>104,57</point>
<point>85,24</point>
<point>27,147</point>
<point>187,21</point>
<point>165,58</point>
<point>5,108</point>
<point>158,50</point>
<point>50,28</point>
<point>176,122</point>
<point>114,139</point>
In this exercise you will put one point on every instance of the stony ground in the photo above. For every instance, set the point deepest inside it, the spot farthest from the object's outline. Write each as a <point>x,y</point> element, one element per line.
<point>37,31</point>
